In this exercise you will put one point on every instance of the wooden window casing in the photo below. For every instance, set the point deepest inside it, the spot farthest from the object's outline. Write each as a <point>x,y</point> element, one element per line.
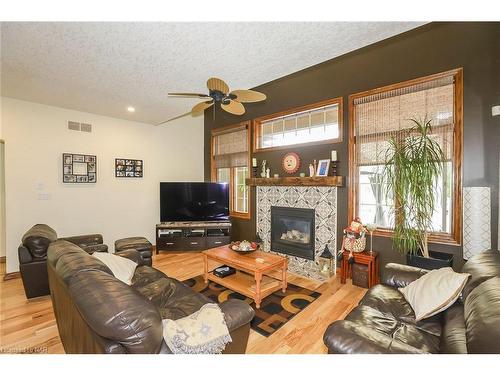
<point>257,124</point>
<point>213,167</point>
<point>455,237</point>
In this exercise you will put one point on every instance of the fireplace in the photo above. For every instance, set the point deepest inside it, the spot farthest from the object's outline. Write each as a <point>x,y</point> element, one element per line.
<point>292,231</point>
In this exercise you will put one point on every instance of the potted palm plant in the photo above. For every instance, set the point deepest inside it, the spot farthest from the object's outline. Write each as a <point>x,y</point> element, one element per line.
<point>413,164</point>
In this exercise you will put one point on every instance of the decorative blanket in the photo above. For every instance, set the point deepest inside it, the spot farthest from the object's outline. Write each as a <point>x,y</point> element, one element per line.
<point>203,332</point>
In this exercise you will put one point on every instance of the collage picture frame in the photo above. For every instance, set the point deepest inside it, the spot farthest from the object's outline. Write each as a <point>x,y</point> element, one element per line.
<point>129,168</point>
<point>79,168</point>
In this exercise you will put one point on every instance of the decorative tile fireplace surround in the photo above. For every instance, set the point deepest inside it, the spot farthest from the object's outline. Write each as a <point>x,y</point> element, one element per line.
<point>323,200</point>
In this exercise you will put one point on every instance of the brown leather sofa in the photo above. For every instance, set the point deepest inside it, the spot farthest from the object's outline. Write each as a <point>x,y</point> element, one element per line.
<point>384,322</point>
<point>32,255</point>
<point>97,313</point>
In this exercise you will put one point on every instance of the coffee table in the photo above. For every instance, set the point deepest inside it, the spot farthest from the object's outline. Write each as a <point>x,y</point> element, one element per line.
<point>252,277</point>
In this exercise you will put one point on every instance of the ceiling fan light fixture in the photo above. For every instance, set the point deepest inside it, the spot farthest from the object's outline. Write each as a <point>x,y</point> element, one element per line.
<point>218,92</point>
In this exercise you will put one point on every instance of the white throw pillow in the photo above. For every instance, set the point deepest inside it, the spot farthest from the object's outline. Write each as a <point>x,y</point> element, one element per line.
<point>434,292</point>
<point>123,269</point>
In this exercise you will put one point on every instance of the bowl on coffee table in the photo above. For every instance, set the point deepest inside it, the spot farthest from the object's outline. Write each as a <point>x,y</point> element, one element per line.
<point>244,247</point>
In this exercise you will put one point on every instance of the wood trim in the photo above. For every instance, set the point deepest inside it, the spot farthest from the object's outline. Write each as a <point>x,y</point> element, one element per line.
<point>455,238</point>
<point>411,82</point>
<point>3,259</point>
<point>213,170</point>
<point>297,181</point>
<point>11,276</point>
<point>256,125</point>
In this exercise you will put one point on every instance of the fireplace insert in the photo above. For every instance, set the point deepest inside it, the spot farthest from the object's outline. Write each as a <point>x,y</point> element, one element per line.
<point>292,231</point>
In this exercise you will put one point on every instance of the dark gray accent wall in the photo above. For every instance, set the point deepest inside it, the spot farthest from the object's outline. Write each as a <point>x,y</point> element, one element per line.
<point>430,49</point>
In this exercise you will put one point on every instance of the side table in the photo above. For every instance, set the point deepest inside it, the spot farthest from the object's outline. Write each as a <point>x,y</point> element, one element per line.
<point>370,259</point>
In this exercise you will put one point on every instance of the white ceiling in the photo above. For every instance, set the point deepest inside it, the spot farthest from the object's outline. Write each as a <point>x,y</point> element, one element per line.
<point>104,67</point>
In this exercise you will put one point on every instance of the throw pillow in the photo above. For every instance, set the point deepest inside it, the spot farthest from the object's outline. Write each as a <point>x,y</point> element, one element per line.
<point>434,292</point>
<point>123,269</point>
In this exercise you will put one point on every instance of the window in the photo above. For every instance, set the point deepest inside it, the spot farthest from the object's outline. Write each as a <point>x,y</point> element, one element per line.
<point>230,161</point>
<point>378,115</point>
<point>313,124</point>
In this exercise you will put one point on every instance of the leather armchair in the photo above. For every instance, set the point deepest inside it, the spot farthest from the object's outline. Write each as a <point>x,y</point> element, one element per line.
<point>89,242</point>
<point>32,255</point>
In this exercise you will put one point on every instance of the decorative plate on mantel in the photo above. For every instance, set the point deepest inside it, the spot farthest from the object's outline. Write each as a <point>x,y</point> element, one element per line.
<point>291,162</point>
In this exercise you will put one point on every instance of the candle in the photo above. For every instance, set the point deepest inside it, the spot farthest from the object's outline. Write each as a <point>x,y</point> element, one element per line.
<point>254,162</point>
<point>334,155</point>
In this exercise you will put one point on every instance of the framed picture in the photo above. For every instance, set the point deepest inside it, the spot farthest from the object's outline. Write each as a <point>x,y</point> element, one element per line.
<point>79,169</point>
<point>323,166</point>
<point>129,168</point>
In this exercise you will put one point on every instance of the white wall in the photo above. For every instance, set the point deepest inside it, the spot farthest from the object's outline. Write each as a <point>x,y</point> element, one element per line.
<point>36,136</point>
<point>2,200</point>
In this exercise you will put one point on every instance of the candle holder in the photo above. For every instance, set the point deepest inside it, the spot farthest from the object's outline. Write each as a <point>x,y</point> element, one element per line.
<point>371,228</point>
<point>334,167</point>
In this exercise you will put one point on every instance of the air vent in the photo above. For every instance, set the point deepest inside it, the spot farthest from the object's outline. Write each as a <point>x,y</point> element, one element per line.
<point>86,127</point>
<point>72,125</point>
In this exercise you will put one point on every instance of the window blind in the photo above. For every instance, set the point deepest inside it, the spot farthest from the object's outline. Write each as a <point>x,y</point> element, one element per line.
<point>231,148</point>
<point>380,116</point>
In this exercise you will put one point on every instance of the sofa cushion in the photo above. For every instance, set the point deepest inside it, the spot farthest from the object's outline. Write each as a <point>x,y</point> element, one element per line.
<point>349,337</point>
<point>391,301</point>
<point>117,312</point>
<point>482,317</point>
<point>60,248</point>
<point>387,300</point>
<point>76,260</point>
<point>38,238</point>
<point>399,331</point>
<point>481,267</point>
<point>453,338</point>
<point>173,299</point>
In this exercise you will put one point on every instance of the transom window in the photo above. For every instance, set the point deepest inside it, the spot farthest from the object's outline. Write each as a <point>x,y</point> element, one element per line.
<point>385,113</point>
<point>229,164</point>
<point>312,124</point>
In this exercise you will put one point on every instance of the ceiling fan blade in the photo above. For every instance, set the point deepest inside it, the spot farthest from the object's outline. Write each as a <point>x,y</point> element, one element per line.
<point>172,119</point>
<point>200,107</point>
<point>217,84</point>
<point>234,107</point>
<point>187,95</point>
<point>248,96</point>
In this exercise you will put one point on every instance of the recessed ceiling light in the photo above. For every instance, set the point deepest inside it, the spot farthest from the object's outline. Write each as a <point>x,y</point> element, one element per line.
<point>131,109</point>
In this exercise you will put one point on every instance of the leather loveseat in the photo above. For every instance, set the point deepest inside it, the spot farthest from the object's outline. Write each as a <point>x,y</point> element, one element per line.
<point>384,322</point>
<point>97,313</point>
<point>32,255</point>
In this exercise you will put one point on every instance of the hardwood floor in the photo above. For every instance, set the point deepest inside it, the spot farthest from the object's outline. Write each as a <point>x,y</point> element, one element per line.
<point>30,326</point>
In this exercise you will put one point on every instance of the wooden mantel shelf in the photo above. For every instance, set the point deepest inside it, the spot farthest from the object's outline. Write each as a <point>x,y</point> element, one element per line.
<point>296,181</point>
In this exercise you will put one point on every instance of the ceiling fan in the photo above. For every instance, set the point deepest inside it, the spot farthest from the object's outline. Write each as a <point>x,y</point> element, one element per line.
<point>218,92</point>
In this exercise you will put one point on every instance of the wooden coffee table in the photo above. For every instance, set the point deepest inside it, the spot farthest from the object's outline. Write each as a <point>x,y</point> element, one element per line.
<point>252,277</point>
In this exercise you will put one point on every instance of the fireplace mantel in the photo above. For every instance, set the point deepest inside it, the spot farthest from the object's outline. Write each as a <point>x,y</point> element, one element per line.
<point>297,181</point>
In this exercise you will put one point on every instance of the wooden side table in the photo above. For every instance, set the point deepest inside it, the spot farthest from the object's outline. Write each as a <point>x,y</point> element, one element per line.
<point>370,259</point>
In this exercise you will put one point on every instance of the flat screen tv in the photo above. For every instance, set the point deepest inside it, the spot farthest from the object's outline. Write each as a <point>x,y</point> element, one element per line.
<point>194,201</point>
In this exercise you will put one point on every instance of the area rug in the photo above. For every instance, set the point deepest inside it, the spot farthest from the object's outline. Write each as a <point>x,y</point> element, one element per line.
<point>275,310</point>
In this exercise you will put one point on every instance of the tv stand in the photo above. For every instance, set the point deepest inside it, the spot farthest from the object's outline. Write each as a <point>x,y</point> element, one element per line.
<point>192,235</point>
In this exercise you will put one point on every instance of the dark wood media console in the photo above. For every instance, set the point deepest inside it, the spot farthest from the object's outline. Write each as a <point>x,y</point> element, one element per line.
<point>192,236</point>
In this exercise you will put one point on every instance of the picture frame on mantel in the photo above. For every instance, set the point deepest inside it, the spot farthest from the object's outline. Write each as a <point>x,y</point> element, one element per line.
<point>79,168</point>
<point>323,167</point>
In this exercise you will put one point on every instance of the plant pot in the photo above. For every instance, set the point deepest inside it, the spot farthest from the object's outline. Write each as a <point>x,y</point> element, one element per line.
<point>435,261</point>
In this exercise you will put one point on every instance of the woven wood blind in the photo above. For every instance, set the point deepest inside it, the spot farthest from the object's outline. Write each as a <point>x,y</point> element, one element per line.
<point>231,148</point>
<point>381,116</point>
